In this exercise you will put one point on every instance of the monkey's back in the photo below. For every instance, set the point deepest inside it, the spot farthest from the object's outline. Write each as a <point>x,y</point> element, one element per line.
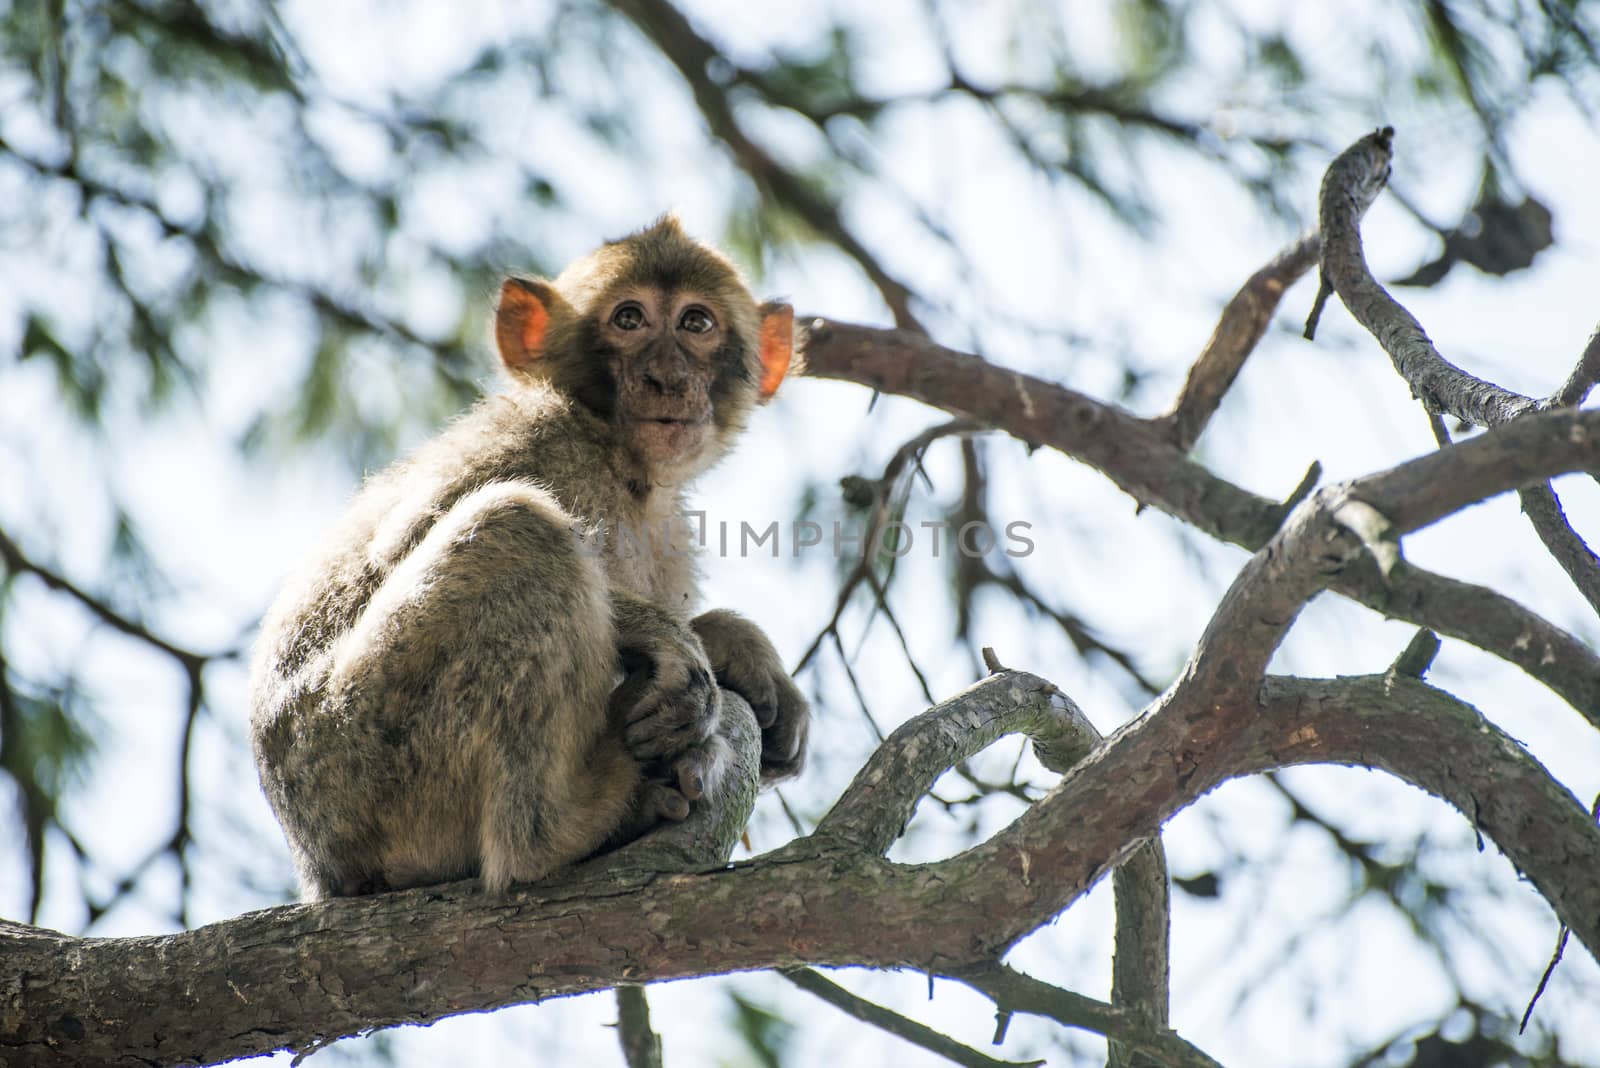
<point>375,710</point>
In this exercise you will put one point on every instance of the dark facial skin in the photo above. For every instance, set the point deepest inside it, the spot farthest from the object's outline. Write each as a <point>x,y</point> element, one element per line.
<point>662,347</point>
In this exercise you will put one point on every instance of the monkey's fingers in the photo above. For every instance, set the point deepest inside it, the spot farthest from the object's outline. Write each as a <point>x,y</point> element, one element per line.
<point>754,682</point>
<point>691,697</point>
<point>665,724</point>
<point>628,696</point>
<point>766,712</point>
<point>783,746</point>
<point>788,703</point>
<point>657,737</point>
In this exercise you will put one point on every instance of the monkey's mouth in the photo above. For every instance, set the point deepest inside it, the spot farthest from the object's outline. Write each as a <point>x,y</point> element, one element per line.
<point>669,437</point>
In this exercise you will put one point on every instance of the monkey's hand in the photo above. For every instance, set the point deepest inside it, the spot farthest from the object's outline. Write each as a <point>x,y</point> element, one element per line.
<point>669,707</point>
<point>746,663</point>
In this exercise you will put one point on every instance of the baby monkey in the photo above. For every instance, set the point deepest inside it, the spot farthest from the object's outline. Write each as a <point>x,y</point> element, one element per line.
<point>438,695</point>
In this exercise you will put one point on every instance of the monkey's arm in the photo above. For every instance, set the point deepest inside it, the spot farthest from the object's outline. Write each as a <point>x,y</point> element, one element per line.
<point>669,707</point>
<point>746,663</point>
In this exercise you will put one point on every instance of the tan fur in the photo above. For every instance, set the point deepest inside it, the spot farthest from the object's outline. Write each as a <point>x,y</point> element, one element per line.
<point>437,695</point>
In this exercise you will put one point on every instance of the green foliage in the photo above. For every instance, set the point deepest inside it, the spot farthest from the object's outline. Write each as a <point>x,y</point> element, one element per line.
<point>766,1034</point>
<point>45,745</point>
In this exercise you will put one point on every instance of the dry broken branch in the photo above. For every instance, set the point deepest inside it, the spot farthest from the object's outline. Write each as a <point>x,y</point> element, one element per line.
<point>1243,323</point>
<point>1352,182</point>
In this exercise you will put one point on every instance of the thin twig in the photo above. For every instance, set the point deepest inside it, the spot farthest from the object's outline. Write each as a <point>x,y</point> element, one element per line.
<point>884,491</point>
<point>1078,632</point>
<point>452,359</point>
<point>882,596</point>
<point>1544,979</point>
<point>1561,947</point>
<point>16,560</point>
<point>1014,992</point>
<point>918,1034</point>
<point>1575,390</point>
<point>666,28</point>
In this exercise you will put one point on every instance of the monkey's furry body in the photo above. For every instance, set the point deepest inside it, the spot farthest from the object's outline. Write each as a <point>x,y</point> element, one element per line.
<point>436,696</point>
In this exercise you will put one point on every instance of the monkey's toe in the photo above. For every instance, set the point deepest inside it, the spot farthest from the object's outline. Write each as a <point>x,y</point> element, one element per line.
<point>663,802</point>
<point>698,770</point>
<point>758,687</point>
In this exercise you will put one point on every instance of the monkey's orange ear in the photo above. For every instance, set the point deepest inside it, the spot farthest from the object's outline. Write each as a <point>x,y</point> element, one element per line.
<point>777,346</point>
<point>521,321</point>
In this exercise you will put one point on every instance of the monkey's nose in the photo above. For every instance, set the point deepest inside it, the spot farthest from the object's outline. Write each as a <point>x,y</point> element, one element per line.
<point>664,382</point>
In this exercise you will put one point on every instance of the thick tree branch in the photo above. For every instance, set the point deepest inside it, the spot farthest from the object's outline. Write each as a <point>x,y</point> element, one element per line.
<point>1126,449</point>
<point>877,805</point>
<point>703,840</point>
<point>1153,471</point>
<point>1141,960</point>
<point>289,976</point>
<point>1403,726</point>
<point>1366,517</point>
<point>1425,490</point>
<point>1485,618</point>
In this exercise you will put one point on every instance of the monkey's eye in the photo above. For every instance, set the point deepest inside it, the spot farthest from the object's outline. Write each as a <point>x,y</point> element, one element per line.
<point>695,321</point>
<point>628,316</point>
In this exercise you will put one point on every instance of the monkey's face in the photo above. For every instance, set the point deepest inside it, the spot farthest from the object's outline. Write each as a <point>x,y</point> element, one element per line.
<point>664,349</point>
<point>657,335</point>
